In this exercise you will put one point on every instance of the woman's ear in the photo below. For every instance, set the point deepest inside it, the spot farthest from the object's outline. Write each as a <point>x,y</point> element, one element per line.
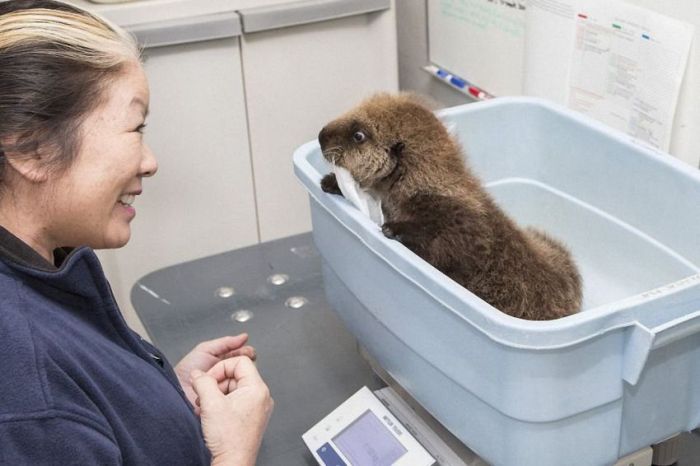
<point>31,166</point>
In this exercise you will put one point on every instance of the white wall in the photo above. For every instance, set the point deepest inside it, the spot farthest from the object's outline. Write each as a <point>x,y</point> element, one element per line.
<point>412,35</point>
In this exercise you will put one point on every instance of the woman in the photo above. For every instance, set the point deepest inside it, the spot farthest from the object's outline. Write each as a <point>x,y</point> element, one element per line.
<point>78,386</point>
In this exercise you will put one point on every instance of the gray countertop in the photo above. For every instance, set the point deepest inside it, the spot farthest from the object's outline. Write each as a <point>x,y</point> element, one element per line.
<point>308,359</point>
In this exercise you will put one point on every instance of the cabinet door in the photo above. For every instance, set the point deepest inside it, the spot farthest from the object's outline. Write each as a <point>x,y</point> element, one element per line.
<point>201,201</point>
<point>297,79</point>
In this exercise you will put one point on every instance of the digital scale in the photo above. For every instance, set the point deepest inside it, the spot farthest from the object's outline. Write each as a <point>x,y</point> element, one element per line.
<point>388,427</point>
<point>363,431</point>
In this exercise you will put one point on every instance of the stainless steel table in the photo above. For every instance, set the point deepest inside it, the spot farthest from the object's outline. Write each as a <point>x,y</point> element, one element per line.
<point>274,292</point>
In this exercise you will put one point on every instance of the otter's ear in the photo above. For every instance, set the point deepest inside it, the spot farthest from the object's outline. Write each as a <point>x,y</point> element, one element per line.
<point>396,150</point>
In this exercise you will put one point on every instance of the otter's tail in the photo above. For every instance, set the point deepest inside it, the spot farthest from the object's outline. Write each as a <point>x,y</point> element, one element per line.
<point>563,267</point>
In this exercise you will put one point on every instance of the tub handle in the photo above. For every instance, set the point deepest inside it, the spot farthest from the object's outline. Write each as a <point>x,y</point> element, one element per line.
<point>642,340</point>
<point>677,329</point>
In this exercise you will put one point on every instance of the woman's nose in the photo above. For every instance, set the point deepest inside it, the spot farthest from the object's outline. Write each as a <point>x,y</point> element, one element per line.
<point>149,164</point>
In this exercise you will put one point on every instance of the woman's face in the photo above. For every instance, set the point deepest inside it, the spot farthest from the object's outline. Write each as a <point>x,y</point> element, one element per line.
<point>91,202</point>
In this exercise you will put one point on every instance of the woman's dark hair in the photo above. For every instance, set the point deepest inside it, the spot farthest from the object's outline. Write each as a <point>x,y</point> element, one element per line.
<point>55,61</point>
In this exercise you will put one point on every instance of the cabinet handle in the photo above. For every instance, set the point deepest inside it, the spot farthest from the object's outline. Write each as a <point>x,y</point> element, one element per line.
<point>187,30</point>
<point>264,18</point>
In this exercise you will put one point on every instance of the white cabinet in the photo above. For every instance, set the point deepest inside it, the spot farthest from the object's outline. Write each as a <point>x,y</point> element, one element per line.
<point>236,86</point>
<point>297,79</point>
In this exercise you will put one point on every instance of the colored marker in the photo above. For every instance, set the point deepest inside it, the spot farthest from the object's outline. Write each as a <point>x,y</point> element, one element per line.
<point>457,82</point>
<point>460,83</point>
<point>476,92</point>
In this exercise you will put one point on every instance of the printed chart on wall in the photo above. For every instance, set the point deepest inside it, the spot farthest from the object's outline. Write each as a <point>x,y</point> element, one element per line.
<point>616,62</point>
<point>627,68</point>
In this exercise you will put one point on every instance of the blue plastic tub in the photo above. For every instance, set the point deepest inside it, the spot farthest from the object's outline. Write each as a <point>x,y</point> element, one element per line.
<point>583,390</point>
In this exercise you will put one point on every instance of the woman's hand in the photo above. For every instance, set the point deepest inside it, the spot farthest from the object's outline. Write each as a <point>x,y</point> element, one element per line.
<point>206,354</point>
<point>234,405</point>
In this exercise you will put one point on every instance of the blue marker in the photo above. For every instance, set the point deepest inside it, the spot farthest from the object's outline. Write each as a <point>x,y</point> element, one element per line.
<point>455,81</point>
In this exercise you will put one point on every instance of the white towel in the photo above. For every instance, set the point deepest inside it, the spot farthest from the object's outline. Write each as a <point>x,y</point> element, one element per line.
<point>360,198</point>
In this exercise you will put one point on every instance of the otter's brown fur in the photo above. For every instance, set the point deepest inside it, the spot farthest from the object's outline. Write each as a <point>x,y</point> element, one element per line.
<point>436,207</point>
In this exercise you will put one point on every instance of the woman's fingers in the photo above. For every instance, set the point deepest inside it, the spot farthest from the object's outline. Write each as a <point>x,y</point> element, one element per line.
<point>239,369</point>
<point>227,386</point>
<point>224,378</point>
<point>220,346</point>
<point>246,350</point>
<point>205,386</point>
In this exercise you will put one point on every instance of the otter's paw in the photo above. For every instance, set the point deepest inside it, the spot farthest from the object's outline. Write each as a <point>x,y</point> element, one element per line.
<point>329,184</point>
<point>391,231</point>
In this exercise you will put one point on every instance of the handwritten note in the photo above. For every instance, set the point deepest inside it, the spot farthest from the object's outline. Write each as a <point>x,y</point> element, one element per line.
<point>486,15</point>
<point>481,40</point>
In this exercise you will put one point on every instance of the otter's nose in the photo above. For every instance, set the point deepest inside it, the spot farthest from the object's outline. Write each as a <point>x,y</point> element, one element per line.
<point>323,137</point>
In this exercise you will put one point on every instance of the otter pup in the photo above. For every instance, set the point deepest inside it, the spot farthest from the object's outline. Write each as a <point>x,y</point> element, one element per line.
<point>396,149</point>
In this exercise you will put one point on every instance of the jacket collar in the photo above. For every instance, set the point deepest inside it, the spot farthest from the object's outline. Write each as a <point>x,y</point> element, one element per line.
<point>19,252</point>
<point>76,271</point>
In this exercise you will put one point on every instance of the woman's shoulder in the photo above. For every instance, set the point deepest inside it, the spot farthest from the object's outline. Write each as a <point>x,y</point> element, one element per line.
<point>33,382</point>
<point>14,327</point>
<point>22,385</point>
<point>9,281</point>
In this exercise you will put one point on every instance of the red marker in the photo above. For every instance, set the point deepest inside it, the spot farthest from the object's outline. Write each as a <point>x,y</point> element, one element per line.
<point>476,92</point>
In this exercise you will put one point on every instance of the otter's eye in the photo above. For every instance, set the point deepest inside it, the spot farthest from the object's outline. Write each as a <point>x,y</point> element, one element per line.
<point>359,136</point>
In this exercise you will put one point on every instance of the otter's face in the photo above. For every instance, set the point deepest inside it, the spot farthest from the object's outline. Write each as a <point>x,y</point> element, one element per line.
<point>361,147</point>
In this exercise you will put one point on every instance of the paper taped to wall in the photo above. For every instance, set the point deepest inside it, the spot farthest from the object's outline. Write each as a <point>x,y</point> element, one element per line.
<point>627,67</point>
<point>616,62</point>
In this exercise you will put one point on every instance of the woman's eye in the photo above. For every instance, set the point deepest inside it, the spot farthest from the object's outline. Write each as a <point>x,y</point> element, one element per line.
<point>140,128</point>
<point>359,136</point>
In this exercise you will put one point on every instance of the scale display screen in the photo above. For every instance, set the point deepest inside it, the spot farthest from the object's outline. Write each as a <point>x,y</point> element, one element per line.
<point>368,441</point>
<point>363,432</point>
